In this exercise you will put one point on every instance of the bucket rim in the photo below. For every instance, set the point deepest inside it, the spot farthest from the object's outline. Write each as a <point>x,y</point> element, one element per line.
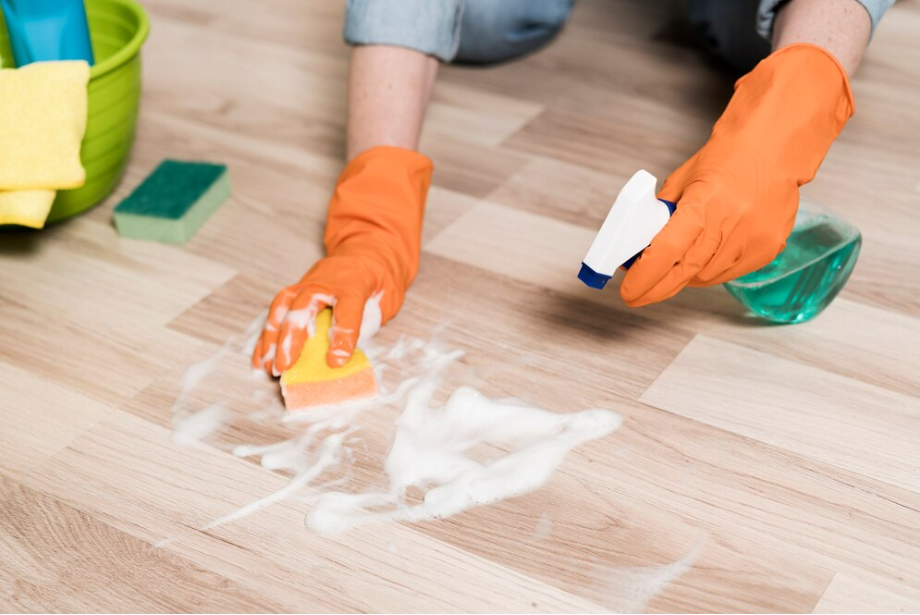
<point>131,48</point>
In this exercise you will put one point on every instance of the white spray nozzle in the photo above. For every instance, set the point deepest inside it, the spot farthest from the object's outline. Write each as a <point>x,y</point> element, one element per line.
<point>634,219</point>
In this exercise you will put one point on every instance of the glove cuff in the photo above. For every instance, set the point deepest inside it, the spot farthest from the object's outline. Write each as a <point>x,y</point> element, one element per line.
<point>378,206</point>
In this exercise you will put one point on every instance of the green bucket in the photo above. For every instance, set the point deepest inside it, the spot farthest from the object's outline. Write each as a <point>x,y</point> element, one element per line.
<point>118,28</point>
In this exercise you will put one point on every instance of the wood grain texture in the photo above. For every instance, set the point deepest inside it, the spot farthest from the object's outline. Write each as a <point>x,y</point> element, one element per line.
<point>758,468</point>
<point>862,428</point>
<point>846,595</point>
<point>39,419</point>
<point>53,556</point>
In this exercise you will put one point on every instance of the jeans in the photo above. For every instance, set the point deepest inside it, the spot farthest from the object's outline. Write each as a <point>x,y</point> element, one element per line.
<point>489,31</point>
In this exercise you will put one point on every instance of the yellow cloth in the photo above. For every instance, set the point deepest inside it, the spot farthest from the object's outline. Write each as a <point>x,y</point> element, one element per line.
<point>42,121</point>
<point>26,207</point>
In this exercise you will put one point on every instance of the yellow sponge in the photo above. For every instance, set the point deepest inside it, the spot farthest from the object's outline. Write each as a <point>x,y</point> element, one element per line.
<point>311,382</point>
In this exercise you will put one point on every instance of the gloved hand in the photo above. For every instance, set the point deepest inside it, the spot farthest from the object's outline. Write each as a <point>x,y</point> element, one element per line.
<point>737,196</point>
<point>373,240</point>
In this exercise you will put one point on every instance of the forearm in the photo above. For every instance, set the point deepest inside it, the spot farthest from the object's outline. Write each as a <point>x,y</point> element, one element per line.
<point>840,26</point>
<point>389,88</point>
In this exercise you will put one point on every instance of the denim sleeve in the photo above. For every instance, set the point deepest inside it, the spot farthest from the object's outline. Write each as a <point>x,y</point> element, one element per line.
<point>768,8</point>
<point>429,26</point>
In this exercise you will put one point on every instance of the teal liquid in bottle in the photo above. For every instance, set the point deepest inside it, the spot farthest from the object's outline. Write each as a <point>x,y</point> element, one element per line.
<point>805,277</point>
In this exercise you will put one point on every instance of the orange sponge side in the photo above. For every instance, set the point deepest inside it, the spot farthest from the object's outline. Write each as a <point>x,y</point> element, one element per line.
<point>327,392</point>
<point>311,382</point>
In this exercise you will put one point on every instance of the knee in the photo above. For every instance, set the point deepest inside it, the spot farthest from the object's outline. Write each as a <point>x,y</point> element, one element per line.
<point>493,31</point>
<point>429,26</point>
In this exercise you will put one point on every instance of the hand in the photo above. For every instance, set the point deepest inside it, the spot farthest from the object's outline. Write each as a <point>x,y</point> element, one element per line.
<point>737,197</point>
<point>353,285</point>
<point>373,239</point>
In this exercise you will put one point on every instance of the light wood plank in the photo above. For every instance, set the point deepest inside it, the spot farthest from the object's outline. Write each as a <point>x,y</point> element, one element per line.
<point>560,190</point>
<point>517,244</point>
<point>467,114</point>
<point>540,249</point>
<point>862,428</point>
<point>169,491</point>
<point>847,595</point>
<point>104,363</point>
<point>67,561</point>
<point>708,498</point>
<point>39,419</point>
<point>136,278</point>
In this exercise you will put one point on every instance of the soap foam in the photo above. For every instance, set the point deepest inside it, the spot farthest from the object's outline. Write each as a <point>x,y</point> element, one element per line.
<point>371,320</point>
<point>544,528</point>
<point>628,589</point>
<point>435,451</point>
<point>188,425</point>
<point>431,452</point>
<point>195,426</point>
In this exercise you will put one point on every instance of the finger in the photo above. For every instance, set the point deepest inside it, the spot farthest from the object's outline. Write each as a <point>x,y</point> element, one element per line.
<point>268,356</point>
<point>721,278</point>
<point>668,249</point>
<point>257,354</point>
<point>279,309</point>
<point>744,265</point>
<point>721,263</point>
<point>346,328</point>
<point>264,352</point>
<point>298,323</point>
<point>680,274</point>
<point>673,187</point>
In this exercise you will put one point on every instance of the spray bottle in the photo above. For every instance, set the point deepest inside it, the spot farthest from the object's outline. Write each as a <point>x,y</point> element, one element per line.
<point>47,30</point>
<point>635,218</point>
<point>796,286</point>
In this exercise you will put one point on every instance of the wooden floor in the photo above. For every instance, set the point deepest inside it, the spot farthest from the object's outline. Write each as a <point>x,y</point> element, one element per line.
<point>759,468</point>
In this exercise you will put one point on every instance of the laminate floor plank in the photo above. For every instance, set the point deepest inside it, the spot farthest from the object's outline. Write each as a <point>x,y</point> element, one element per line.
<point>758,468</point>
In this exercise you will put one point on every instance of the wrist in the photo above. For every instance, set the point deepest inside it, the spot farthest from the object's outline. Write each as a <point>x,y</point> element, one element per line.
<point>394,262</point>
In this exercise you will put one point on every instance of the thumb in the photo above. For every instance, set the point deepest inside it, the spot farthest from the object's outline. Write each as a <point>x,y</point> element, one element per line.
<point>343,338</point>
<point>683,247</point>
<point>665,254</point>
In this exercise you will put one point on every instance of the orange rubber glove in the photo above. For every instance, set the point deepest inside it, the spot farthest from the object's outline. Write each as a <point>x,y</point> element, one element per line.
<point>738,195</point>
<point>373,241</point>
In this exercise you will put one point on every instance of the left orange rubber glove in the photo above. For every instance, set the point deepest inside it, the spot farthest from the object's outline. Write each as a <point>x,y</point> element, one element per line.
<point>373,242</point>
<point>738,195</point>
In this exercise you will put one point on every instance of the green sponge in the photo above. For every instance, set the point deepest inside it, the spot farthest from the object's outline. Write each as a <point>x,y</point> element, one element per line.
<point>173,202</point>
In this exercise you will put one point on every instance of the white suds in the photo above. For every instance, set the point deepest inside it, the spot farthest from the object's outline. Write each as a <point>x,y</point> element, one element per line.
<point>371,320</point>
<point>629,589</point>
<point>164,543</point>
<point>195,426</point>
<point>544,528</point>
<point>188,425</point>
<point>330,454</point>
<point>444,459</point>
<point>431,452</point>
<point>437,451</point>
<point>286,348</point>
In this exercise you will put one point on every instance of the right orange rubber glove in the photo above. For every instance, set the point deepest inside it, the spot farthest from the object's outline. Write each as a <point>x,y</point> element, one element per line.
<point>737,196</point>
<point>373,241</point>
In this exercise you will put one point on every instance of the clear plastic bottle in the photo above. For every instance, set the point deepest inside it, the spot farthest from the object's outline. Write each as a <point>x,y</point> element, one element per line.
<point>803,280</point>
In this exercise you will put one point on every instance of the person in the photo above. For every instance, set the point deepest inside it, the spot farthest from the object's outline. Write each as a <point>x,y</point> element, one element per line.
<point>736,197</point>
